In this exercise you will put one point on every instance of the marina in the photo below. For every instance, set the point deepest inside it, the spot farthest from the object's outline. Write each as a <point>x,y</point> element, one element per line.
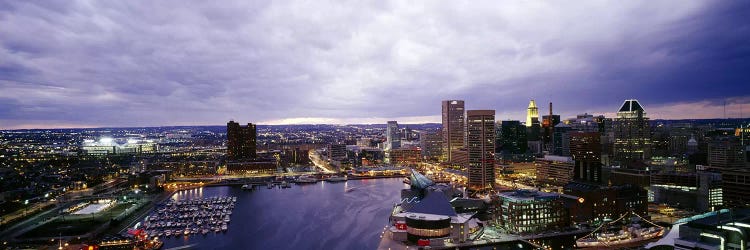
<point>320,215</point>
<point>192,216</point>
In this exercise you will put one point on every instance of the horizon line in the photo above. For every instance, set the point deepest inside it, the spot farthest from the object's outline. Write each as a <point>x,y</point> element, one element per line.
<point>309,124</point>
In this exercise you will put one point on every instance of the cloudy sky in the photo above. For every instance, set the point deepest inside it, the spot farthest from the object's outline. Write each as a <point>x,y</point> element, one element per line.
<point>147,63</point>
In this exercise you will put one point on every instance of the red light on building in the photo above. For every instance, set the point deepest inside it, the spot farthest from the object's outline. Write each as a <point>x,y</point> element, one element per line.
<point>401,226</point>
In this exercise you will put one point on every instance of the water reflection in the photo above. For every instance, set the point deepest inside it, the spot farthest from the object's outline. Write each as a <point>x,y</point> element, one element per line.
<point>314,216</point>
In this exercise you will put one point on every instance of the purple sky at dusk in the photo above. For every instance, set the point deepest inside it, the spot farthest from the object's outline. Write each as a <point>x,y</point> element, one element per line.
<point>147,63</point>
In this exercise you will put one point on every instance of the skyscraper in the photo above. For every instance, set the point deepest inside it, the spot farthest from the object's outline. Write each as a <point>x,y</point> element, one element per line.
<point>453,127</point>
<point>632,134</point>
<point>393,136</point>
<point>431,143</point>
<point>726,152</point>
<point>480,134</point>
<point>241,141</point>
<point>532,114</point>
<point>586,149</point>
<point>533,128</point>
<point>512,138</point>
<point>561,140</point>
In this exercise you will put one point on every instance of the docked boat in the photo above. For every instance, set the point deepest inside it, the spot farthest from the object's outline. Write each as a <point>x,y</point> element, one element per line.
<point>188,217</point>
<point>247,187</point>
<point>606,236</point>
<point>269,185</point>
<point>285,184</point>
<point>336,178</point>
<point>305,180</point>
<point>156,244</point>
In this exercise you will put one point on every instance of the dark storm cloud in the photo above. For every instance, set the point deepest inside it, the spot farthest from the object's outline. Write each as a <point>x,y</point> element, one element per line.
<point>126,63</point>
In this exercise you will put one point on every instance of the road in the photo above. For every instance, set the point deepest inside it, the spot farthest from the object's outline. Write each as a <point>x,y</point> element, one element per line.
<point>319,162</point>
<point>29,223</point>
<point>23,212</point>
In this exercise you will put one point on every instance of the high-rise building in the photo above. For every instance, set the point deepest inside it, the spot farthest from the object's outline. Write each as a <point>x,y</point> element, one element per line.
<point>241,141</point>
<point>512,138</point>
<point>726,152</point>
<point>534,129</point>
<point>393,136</point>
<point>453,127</point>
<point>586,149</point>
<point>561,140</point>
<point>631,133</point>
<point>480,134</point>
<point>532,114</point>
<point>432,144</point>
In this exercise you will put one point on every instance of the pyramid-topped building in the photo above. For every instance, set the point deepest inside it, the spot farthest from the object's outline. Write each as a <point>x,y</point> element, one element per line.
<point>631,108</point>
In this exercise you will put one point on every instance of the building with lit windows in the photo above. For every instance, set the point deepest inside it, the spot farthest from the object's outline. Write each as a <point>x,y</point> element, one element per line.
<point>241,141</point>
<point>631,133</point>
<point>607,202</point>
<point>699,190</point>
<point>255,167</point>
<point>726,152</point>
<point>586,150</point>
<point>393,136</point>
<point>561,140</point>
<point>453,127</point>
<point>111,146</point>
<point>409,156</point>
<point>555,170</point>
<point>426,217</point>
<point>532,114</point>
<point>431,143</point>
<point>533,129</point>
<point>529,211</point>
<point>735,187</point>
<point>480,136</point>
<point>459,158</point>
<point>722,229</point>
<point>512,138</point>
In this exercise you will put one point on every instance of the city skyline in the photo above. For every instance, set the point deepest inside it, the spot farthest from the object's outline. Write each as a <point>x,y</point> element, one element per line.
<point>107,65</point>
<point>261,124</point>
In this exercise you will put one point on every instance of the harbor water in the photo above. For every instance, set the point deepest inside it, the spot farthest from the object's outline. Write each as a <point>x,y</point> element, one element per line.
<point>324,215</point>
